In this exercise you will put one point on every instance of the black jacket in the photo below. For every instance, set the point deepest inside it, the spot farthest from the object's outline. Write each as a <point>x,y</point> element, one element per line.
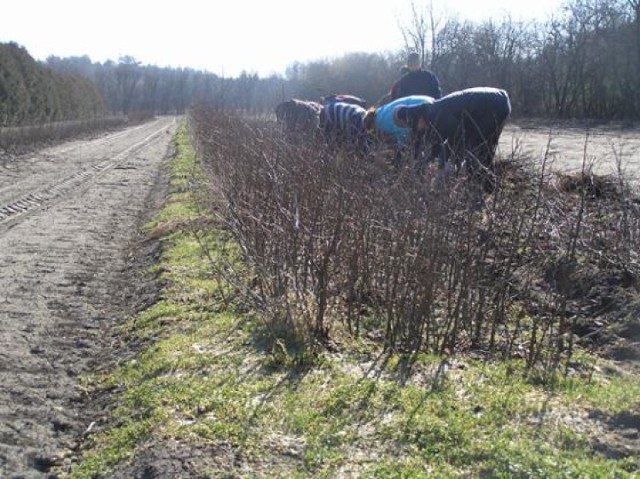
<point>418,82</point>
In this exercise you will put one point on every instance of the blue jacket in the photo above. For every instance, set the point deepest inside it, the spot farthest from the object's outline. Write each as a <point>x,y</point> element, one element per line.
<point>385,117</point>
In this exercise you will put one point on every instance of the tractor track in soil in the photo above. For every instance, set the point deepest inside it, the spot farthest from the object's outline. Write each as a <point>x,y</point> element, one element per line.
<point>69,217</point>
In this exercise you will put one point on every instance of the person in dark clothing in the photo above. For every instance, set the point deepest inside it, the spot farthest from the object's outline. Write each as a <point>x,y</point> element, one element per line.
<point>416,81</point>
<point>298,115</point>
<point>468,123</point>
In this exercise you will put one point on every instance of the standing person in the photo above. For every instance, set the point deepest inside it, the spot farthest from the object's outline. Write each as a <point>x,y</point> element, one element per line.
<point>416,81</point>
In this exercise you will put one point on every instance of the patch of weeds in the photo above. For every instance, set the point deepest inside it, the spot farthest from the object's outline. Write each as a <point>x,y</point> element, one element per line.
<point>179,208</point>
<point>406,468</point>
<point>480,422</point>
<point>612,395</point>
<point>184,173</point>
<point>111,448</point>
<point>184,169</point>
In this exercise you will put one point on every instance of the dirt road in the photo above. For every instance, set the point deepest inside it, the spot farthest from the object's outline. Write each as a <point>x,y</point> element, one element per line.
<point>68,215</point>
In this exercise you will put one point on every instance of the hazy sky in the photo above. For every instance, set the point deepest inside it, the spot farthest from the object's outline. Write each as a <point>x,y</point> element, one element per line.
<point>226,37</point>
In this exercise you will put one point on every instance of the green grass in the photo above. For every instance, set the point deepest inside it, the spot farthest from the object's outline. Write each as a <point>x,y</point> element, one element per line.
<point>203,379</point>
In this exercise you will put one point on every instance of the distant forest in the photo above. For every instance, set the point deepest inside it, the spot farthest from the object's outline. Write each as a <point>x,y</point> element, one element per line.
<point>582,63</point>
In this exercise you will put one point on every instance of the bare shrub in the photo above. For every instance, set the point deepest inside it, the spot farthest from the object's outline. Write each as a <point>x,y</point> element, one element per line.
<point>335,240</point>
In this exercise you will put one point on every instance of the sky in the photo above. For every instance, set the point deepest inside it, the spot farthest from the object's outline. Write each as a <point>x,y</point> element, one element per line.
<point>231,36</point>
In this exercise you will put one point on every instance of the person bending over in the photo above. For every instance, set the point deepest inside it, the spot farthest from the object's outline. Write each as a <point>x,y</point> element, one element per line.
<point>384,125</point>
<point>468,123</point>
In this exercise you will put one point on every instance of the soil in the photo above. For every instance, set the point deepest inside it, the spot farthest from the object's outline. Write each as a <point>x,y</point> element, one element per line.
<point>71,254</point>
<point>605,149</point>
<point>69,223</point>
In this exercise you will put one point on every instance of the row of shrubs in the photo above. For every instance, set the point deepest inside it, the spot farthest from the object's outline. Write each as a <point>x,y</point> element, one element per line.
<point>12,138</point>
<point>340,244</point>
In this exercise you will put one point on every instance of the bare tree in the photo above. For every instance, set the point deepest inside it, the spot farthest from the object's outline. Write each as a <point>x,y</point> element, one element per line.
<point>421,33</point>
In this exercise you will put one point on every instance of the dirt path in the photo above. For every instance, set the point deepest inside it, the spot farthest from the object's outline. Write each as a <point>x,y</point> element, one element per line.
<point>67,217</point>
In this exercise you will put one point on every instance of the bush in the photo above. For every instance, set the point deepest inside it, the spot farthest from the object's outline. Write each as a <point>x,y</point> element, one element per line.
<point>338,242</point>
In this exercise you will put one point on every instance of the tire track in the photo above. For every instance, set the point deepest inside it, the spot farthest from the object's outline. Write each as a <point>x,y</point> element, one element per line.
<point>66,281</point>
<point>63,188</point>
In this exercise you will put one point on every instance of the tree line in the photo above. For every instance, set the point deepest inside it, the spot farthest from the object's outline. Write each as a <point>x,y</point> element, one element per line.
<point>33,94</point>
<point>583,62</point>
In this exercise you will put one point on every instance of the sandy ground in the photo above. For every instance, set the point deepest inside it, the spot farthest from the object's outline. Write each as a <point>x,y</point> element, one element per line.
<point>607,149</point>
<point>68,216</point>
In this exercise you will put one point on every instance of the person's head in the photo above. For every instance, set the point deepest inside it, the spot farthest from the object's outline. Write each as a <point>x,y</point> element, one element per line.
<point>413,61</point>
<point>411,116</point>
